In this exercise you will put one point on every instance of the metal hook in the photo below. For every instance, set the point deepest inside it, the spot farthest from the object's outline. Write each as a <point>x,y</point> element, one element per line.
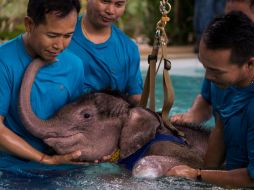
<point>167,64</point>
<point>165,7</point>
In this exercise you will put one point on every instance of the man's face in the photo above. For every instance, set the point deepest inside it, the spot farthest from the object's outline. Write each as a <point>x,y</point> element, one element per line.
<point>243,6</point>
<point>219,69</point>
<point>102,13</point>
<point>49,39</point>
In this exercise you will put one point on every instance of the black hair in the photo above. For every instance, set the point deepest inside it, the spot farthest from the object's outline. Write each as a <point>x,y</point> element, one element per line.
<point>251,3</point>
<point>247,1</point>
<point>234,31</point>
<point>37,9</point>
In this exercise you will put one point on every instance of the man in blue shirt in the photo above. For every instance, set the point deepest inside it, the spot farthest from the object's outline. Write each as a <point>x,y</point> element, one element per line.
<point>204,104</point>
<point>111,60</point>
<point>49,28</point>
<point>227,54</point>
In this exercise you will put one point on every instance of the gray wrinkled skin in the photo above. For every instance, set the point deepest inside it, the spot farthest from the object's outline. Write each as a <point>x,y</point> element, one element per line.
<point>164,155</point>
<point>98,123</point>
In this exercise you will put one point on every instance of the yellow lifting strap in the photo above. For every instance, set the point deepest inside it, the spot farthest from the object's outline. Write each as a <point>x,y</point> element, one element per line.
<point>160,41</point>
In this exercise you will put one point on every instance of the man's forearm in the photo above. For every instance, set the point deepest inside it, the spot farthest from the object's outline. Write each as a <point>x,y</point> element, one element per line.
<point>215,154</point>
<point>134,99</point>
<point>201,109</point>
<point>12,143</point>
<point>233,178</point>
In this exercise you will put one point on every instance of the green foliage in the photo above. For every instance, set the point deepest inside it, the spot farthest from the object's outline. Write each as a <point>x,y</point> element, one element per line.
<point>179,29</point>
<point>12,13</point>
<point>13,9</point>
<point>5,35</point>
<point>139,20</point>
<point>132,21</point>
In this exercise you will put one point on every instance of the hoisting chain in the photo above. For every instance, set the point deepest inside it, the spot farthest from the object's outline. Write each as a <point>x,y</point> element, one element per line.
<point>160,41</point>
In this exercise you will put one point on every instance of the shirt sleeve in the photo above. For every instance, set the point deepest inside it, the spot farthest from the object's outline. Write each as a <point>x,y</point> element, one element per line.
<point>206,90</point>
<point>250,139</point>
<point>79,87</point>
<point>135,82</point>
<point>5,89</point>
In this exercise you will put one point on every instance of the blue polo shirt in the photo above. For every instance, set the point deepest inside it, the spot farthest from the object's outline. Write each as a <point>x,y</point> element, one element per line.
<point>110,65</point>
<point>214,95</point>
<point>54,86</point>
<point>235,107</point>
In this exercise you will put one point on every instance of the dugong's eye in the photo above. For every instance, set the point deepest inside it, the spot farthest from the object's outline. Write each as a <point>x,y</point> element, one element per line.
<point>87,115</point>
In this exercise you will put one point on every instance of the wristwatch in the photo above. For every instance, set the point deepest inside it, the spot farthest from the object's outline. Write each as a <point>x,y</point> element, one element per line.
<point>199,176</point>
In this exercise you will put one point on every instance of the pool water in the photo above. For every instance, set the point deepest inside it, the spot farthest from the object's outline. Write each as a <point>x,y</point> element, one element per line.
<point>186,88</point>
<point>187,77</point>
<point>98,177</point>
<point>187,80</point>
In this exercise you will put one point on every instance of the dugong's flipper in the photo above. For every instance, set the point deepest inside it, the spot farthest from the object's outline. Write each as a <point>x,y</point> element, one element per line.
<point>153,166</point>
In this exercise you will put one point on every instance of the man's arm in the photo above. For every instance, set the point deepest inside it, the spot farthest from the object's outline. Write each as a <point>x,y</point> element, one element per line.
<point>13,144</point>
<point>199,112</point>
<point>233,178</point>
<point>214,158</point>
<point>134,99</point>
<point>215,154</point>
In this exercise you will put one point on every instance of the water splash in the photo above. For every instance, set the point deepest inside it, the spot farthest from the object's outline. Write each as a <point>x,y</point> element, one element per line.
<point>104,176</point>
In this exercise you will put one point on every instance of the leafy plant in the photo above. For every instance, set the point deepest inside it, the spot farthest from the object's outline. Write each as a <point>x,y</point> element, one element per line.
<point>139,20</point>
<point>179,29</point>
<point>12,13</point>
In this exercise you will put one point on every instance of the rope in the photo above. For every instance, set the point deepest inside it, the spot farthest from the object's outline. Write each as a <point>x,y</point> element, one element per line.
<point>160,41</point>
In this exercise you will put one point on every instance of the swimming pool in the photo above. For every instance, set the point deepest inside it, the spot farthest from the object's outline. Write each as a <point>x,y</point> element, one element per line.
<point>99,177</point>
<point>186,77</point>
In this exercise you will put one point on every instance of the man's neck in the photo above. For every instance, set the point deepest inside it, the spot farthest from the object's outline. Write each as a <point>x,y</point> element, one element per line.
<point>94,33</point>
<point>28,47</point>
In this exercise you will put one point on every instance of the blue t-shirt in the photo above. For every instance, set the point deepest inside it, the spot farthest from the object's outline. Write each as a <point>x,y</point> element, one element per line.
<point>214,95</point>
<point>114,64</point>
<point>235,107</point>
<point>239,139</point>
<point>54,86</point>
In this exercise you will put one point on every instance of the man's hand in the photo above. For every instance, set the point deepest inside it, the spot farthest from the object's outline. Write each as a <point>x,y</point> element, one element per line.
<point>71,158</point>
<point>113,157</point>
<point>199,112</point>
<point>183,171</point>
<point>182,119</point>
<point>62,159</point>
